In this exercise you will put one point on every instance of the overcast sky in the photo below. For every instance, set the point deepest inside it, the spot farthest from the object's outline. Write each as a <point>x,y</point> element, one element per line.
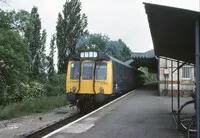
<point>125,19</point>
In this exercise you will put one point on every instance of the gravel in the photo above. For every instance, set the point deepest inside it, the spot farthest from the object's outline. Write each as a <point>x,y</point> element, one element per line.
<point>16,127</point>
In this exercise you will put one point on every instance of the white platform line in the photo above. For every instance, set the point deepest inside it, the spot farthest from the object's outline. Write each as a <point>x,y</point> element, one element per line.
<point>64,127</point>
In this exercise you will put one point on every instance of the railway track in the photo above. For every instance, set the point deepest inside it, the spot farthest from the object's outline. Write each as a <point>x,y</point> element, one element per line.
<point>47,129</point>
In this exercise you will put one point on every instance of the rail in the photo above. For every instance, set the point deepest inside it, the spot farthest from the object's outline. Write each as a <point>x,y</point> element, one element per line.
<point>46,130</point>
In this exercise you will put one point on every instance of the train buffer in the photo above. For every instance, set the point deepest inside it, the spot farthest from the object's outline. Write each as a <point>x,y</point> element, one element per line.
<point>139,114</point>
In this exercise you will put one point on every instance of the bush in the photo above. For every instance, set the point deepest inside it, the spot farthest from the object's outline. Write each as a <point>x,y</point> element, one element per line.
<point>148,77</point>
<point>26,91</point>
<point>20,91</point>
<point>23,98</point>
<point>56,85</point>
<point>36,105</point>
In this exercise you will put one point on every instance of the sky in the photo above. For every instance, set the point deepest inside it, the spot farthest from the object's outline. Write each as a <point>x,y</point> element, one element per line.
<point>119,19</point>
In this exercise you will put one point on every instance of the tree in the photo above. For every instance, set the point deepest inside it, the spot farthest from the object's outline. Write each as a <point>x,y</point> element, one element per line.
<point>35,41</point>
<point>5,21</point>
<point>93,41</point>
<point>20,21</point>
<point>14,53</point>
<point>70,27</point>
<point>14,62</point>
<point>62,53</point>
<point>99,42</point>
<point>17,21</point>
<point>42,55</point>
<point>119,50</point>
<point>125,51</point>
<point>51,70</point>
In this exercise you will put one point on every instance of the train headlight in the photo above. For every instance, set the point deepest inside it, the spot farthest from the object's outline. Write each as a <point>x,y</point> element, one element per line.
<point>101,90</point>
<point>73,89</point>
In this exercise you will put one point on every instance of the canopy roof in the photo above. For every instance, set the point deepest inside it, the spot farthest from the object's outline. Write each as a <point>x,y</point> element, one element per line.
<point>173,31</point>
<point>146,59</point>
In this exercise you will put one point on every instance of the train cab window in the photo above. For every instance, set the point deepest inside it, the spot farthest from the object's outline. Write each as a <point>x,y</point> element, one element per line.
<point>87,70</point>
<point>101,71</point>
<point>75,69</point>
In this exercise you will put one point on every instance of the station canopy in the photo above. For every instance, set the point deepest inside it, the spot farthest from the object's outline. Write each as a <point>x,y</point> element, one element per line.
<point>172,31</point>
<point>146,59</point>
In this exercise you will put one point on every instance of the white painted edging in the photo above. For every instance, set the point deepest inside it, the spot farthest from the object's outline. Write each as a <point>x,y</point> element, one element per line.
<point>64,127</point>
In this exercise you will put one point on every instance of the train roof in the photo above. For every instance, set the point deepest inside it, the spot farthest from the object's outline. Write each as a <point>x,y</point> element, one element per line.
<point>120,62</point>
<point>103,56</point>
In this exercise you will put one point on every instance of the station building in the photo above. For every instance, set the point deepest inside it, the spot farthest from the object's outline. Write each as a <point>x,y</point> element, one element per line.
<point>167,73</point>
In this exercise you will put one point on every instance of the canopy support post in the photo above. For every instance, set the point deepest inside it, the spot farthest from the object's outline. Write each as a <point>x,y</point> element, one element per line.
<point>172,91</point>
<point>178,89</point>
<point>197,53</point>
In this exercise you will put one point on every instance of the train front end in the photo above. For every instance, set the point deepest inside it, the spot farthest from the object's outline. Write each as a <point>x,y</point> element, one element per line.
<point>88,80</point>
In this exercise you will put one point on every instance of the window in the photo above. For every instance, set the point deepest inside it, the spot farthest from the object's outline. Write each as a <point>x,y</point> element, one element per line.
<point>186,72</point>
<point>75,69</point>
<point>88,54</point>
<point>101,71</point>
<point>87,70</point>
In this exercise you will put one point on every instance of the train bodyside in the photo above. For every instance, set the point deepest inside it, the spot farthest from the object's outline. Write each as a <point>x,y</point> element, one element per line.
<point>124,77</point>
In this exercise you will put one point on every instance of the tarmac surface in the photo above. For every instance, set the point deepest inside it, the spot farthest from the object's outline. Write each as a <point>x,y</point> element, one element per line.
<point>140,114</point>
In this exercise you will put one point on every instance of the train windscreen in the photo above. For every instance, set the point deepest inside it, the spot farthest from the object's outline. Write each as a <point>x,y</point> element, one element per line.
<point>101,71</point>
<point>87,70</point>
<point>75,69</point>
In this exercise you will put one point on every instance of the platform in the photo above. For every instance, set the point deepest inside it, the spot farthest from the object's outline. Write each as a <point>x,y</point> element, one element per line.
<point>140,114</point>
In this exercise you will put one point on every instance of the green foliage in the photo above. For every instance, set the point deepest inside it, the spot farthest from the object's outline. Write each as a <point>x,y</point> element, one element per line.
<point>19,22</point>
<point>14,61</point>
<point>5,21</point>
<point>50,58</point>
<point>148,77</point>
<point>42,56</point>
<point>119,50</point>
<point>62,53</point>
<point>71,25</point>
<point>22,52</point>
<point>36,105</point>
<point>27,91</point>
<point>15,57</point>
<point>99,42</point>
<point>35,44</point>
<point>56,85</point>
<point>93,41</point>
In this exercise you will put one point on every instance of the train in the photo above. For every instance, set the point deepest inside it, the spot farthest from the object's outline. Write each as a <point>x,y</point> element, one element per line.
<point>93,77</point>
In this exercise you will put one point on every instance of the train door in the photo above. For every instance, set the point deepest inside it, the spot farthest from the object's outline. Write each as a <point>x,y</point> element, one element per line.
<point>86,86</point>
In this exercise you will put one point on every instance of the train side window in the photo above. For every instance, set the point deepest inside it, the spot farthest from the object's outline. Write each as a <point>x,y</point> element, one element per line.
<point>101,71</point>
<point>87,70</point>
<point>75,69</point>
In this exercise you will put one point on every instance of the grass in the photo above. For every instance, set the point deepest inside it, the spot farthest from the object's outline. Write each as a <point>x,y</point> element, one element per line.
<point>38,105</point>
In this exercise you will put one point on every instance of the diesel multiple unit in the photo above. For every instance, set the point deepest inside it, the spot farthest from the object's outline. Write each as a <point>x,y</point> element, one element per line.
<point>93,77</point>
